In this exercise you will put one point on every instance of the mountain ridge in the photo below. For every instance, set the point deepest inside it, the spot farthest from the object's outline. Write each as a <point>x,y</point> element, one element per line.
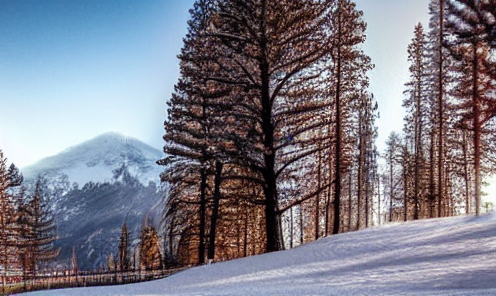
<point>95,159</point>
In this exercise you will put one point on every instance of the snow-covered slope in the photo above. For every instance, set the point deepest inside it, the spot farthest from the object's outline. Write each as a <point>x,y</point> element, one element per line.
<point>94,160</point>
<point>450,256</point>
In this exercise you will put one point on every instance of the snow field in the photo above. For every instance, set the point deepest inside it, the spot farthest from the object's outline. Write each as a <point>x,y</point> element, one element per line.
<point>448,256</point>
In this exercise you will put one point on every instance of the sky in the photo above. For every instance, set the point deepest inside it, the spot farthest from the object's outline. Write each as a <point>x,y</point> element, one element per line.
<point>72,70</point>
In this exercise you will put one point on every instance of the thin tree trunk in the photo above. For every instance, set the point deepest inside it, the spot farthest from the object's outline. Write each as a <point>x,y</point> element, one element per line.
<point>317,198</point>
<point>301,224</point>
<point>203,202</point>
<point>337,188</point>
<point>405,184</point>
<point>350,205</point>
<point>391,192</point>
<point>367,183</point>
<point>360,169</point>
<point>291,228</point>
<point>465,173</point>
<point>432,196</point>
<point>327,213</point>
<point>245,242</point>
<point>418,138</point>
<point>441,109</point>
<point>477,130</point>
<point>215,210</point>
<point>379,199</point>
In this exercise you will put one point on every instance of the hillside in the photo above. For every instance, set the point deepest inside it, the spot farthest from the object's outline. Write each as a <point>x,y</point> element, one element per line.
<point>449,256</point>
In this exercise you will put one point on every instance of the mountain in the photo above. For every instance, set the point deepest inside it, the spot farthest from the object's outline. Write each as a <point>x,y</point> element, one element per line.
<point>91,218</point>
<point>96,186</point>
<point>96,159</point>
<point>447,256</point>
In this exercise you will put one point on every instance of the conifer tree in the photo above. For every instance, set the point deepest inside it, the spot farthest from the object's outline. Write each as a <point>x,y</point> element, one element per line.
<point>123,253</point>
<point>10,231</point>
<point>150,254</point>
<point>417,104</point>
<point>257,95</point>
<point>111,262</point>
<point>439,66</point>
<point>74,261</point>
<point>475,102</point>
<point>393,148</point>
<point>349,80</point>
<point>40,234</point>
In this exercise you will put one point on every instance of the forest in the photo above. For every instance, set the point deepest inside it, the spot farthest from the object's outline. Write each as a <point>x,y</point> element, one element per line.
<point>271,137</point>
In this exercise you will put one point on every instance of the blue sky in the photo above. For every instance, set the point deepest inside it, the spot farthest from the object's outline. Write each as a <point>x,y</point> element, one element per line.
<point>71,70</point>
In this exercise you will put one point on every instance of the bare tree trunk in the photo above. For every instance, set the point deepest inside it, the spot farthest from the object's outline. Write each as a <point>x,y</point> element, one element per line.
<point>215,210</point>
<point>441,110</point>
<point>291,228</point>
<point>465,172</point>
<point>337,188</point>
<point>317,198</point>
<point>405,183</point>
<point>327,212</point>
<point>203,203</point>
<point>432,196</point>
<point>350,205</point>
<point>379,199</point>
<point>360,169</point>
<point>391,192</point>
<point>367,183</point>
<point>301,224</point>
<point>245,242</point>
<point>477,130</point>
<point>418,149</point>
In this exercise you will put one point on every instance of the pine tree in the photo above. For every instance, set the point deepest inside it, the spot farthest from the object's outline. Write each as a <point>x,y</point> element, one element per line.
<point>475,101</point>
<point>439,66</point>
<point>74,261</point>
<point>10,231</point>
<point>349,79</point>
<point>39,236</point>
<point>393,146</point>
<point>257,95</point>
<point>150,254</point>
<point>190,126</point>
<point>111,262</point>
<point>417,104</point>
<point>123,254</point>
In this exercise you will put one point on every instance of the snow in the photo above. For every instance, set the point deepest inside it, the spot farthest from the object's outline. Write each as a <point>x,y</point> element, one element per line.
<point>448,256</point>
<point>95,160</point>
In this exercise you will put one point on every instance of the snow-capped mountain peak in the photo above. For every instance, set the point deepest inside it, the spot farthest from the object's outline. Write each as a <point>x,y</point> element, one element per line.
<point>96,159</point>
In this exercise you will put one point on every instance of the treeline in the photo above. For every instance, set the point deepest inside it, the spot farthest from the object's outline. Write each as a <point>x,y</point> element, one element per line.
<point>437,167</point>
<point>270,130</point>
<point>148,254</point>
<point>27,228</point>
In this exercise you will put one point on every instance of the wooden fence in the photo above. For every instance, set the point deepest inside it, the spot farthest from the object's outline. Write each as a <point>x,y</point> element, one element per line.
<point>68,279</point>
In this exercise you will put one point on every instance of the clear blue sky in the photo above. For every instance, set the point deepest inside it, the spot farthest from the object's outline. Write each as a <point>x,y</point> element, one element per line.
<point>73,69</point>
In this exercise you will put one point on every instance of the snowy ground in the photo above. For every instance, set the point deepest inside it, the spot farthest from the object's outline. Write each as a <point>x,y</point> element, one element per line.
<point>450,256</point>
